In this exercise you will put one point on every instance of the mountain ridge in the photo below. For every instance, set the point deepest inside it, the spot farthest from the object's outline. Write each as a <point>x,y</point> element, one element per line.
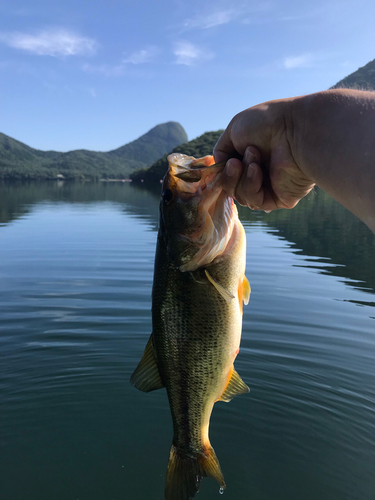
<point>361,79</point>
<point>198,147</point>
<point>144,159</point>
<point>18,160</point>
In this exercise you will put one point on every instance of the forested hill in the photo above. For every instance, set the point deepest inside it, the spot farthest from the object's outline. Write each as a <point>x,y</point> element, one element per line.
<point>201,146</point>
<point>144,159</point>
<point>362,79</point>
<point>19,161</point>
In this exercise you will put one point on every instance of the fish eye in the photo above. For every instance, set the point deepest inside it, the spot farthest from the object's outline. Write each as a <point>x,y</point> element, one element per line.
<point>167,196</point>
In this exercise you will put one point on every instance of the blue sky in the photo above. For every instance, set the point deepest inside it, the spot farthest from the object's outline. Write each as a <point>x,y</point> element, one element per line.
<point>97,74</point>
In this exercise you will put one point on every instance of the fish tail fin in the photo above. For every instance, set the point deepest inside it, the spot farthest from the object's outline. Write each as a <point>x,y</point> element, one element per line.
<point>185,472</point>
<point>210,467</point>
<point>183,476</point>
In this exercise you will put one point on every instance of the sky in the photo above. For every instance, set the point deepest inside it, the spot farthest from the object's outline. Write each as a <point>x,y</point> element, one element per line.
<point>88,74</point>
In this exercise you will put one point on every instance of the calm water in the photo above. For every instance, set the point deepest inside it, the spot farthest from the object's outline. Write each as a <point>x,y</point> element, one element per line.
<point>75,282</point>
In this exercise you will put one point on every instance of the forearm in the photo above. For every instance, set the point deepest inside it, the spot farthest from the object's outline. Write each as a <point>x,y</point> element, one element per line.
<point>332,137</point>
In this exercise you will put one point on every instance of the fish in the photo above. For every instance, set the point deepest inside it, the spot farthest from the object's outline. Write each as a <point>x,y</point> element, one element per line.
<point>198,293</point>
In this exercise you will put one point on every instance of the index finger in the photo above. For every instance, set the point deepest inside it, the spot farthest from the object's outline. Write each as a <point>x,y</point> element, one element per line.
<point>224,148</point>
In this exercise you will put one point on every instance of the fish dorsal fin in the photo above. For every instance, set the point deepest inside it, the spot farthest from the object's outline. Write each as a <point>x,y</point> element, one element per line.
<point>226,294</point>
<point>146,376</point>
<point>235,387</point>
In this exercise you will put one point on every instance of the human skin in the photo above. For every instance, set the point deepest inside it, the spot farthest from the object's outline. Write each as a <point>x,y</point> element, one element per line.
<point>289,145</point>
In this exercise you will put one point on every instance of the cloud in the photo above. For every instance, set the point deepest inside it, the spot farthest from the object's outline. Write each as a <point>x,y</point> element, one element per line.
<point>142,56</point>
<point>114,70</point>
<point>189,54</point>
<point>52,42</point>
<point>105,69</point>
<point>293,62</point>
<point>211,20</point>
<point>117,70</point>
<point>239,14</point>
<point>305,12</point>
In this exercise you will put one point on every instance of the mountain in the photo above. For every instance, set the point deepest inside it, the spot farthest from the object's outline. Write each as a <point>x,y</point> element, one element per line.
<point>19,161</point>
<point>362,79</point>
<point>201,146</point>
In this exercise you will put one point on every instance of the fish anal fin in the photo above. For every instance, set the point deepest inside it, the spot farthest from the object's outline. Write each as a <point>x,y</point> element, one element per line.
<point>235,387</point>
<point>185,472</point>
<point>226,294</point>
<point>146,376</point>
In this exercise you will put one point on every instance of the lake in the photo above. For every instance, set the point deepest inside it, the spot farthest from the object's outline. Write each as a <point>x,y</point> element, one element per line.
<point>76,272</point>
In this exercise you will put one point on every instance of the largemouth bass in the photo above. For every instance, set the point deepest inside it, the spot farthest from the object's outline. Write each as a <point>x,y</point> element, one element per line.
<point>198,291</point>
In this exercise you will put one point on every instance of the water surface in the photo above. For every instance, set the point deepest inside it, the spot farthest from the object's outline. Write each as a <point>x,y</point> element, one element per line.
<point>75,288</point>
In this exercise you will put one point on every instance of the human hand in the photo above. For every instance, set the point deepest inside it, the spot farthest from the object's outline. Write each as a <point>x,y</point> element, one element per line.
<point>268,177</point>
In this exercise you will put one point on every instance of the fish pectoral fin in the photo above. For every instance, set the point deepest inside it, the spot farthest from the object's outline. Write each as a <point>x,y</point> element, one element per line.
<point>246,290</point>
<point>226,294</point>
<point>146,376</point>
<point>235,387</point>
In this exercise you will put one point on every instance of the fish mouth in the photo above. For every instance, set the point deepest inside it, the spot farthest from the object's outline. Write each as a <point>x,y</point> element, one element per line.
<point>190,169</point>
<point>200,181</point>
<point>193,175</point>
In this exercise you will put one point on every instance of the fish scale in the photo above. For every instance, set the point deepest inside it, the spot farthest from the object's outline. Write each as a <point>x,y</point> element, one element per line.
<point>197,322</point>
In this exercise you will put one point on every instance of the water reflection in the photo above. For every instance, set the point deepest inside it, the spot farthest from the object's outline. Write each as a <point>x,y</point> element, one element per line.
<point>18,198</point>
<point>76,275</point>
<point>318,227</point>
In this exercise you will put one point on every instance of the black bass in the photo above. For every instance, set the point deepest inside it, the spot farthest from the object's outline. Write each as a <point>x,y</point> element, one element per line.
<point>198,291</point>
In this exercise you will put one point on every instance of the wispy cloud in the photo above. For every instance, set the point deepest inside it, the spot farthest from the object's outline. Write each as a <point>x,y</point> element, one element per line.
<point>189,54</point>
<point>242,13</point>
<point>142,56</point>
<point>104,69</point>
<point>117,70</point>
<point>308,61</point>
<point>125,66</point>
<point>306,12</point>
<point>302,61</point>
<point>52,42</point>
<point>210,20</point>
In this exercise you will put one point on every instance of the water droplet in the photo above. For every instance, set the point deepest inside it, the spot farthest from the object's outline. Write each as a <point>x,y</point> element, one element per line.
<point>221,490</point>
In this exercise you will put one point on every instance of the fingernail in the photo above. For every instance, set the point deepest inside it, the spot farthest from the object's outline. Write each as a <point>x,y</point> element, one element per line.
<point>249,156</point>
<point>230,169</point>
<point>250,171</point>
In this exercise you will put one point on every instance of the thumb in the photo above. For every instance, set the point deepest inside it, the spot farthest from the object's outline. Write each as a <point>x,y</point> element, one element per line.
<point>231,175</point>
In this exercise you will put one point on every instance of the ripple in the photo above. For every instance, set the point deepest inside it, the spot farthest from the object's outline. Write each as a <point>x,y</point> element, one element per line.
<point>76,300</point>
